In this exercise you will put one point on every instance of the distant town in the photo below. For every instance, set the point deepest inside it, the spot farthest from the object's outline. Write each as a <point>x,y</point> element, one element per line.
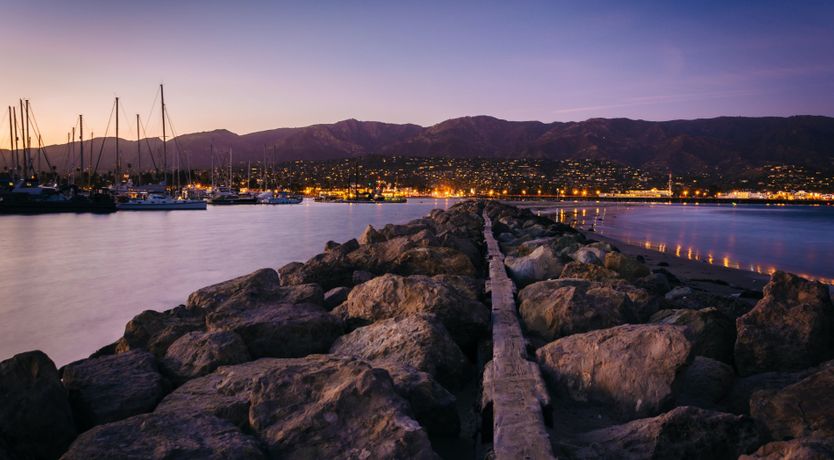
<point>451,177</point>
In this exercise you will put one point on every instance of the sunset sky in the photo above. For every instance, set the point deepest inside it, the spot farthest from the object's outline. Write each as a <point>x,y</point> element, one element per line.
<point>249,66</point>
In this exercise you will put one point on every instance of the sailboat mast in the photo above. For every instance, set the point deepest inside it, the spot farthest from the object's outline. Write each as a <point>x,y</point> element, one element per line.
<point>230,169</point>
<point>81,146</point>
<point>117,176</point>
<point>16,143</point>
<point>11,144</point>
<point>27,141</point>
<point>138,153</point>
<point>164,135</point>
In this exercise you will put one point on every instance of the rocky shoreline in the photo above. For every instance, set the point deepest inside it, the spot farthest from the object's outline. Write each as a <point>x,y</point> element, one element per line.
<point>377,348</point>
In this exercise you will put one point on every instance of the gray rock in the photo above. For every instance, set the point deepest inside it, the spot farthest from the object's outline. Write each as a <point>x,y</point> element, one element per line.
<point>587,255</point>
<point>790,328</point>
<point>110,388</point>
<point>553,309</point>
<point>684,432</point>
<point>632,367</point>
<point>370,235</point>
<point>35,417</point>
<point>541,264</point>
<point>713,333</point>
<point>335,296</point>
<point>626,266</point>
<point>704,383</point>
<point>155,331</point>
<point>419,341</point>
<point>433,406</point>
<point>199,353</point>
<point>320,406</point>
<point>390,296</point>
<point>165,436</point>
<point>802,409</point>
<point>259,288</point>
<point>587,271</point>
<point>280,331</point>
<point>361,276</point>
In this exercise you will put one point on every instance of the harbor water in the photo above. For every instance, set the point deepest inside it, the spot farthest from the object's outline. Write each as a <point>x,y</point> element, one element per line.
<point>70,282</point>
<point>760,238</point>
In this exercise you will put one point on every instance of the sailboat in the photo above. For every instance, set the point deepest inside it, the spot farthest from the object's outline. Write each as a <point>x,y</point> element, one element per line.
<point>25,194</point>
<point>156,201</point>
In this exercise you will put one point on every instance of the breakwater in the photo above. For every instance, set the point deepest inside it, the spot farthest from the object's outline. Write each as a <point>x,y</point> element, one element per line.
<point>380,347</point>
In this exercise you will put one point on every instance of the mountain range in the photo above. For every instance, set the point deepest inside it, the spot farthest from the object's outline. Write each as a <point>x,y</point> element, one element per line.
<point>731,144</point>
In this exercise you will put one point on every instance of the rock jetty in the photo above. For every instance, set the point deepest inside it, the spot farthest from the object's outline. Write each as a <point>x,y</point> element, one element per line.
<point>481,331</point>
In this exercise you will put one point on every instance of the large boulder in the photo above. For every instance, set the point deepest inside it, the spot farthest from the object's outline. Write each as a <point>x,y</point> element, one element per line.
<point>693,299</point>
<point>541,264</point>
<point>805,408</point>
<point>35,417</point>
<point>626,266</point>
<point>155,331</point>
<point>795,449</point>
<point>419,341</point>
<point>645,303</point>
<point>684,432</point>
<point>258,288</point>
<point>789,329</point>
<point>389,296</point>
<point>704,383</point>
<point>335,296</point>
<point>110,388</point>
<point>320,406</point>
<point>713,333</point>
<point>198,353</point>
<point>558,308</point>
<point>587,271</point>
<point>280,331</point>
<point>371,235</point>
<point>738,401</point>
<point>433,261</point>
<point>631,367</point>
<point>433,406</point>
<point>472,288</point>
<point>329,269</point>
<point>165,436</point>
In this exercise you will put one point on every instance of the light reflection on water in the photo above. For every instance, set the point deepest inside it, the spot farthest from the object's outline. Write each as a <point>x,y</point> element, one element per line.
<point>70,282</point>
<point>758,238</point>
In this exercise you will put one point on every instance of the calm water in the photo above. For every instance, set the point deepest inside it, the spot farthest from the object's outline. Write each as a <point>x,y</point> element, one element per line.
<point>70,282</point>
<point>798,239</point>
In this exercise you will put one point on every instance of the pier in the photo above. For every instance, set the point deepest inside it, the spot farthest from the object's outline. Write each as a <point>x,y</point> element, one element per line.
<point>514,384</point>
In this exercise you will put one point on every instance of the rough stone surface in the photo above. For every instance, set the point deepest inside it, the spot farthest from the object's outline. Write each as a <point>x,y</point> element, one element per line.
<point>789,329</point>
<point>587,255</point>
<point>684,432</point>
<point>165,436</point>
<point>630,367</point>
<point>704,383</point>
<point>370,235</point>
<point>738,401</point>
<point>552,309</point>
<point>713,333</point>
<point>587,271</point>
<point>320,406</point>
<point>805,408</point>
<point>35,417</point>
<point>626,266</point>
<point>155,331</point>
<point>795,449</point>
<point>335,296</point>
<point>541,264</point>
<point>416,340</point>
<point>280,331</point>
<point>110,388</point>
<point>198,353</point>
<point>433,406</point>
<point>390,296</point>
<point>255,289</point>
<point>434,261</point>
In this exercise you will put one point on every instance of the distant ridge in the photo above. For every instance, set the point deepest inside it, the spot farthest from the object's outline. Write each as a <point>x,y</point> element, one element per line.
<point>733,144</point>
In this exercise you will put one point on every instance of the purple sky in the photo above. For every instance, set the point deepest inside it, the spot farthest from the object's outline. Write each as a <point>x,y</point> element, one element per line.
<point>260,65</point>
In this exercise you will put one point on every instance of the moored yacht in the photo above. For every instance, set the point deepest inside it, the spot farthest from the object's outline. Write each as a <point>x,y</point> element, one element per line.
<point>160,202</point>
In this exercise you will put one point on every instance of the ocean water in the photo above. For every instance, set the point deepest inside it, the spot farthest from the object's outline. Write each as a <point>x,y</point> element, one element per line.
<point>70,282</point>
<point>761,238</point>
